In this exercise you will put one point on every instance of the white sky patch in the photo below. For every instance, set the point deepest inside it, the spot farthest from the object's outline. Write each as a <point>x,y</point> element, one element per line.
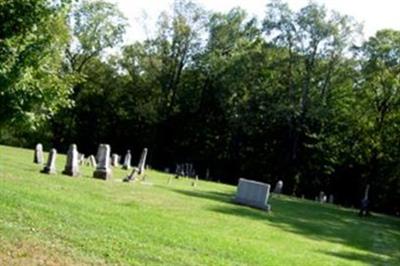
<point>375,15</point>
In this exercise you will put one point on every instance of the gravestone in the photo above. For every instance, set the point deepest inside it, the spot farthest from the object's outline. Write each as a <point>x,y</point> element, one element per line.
<point>142,162</point>
<point>72,164</point>
<point>253,193</point>
<point>38,155</point>
<point>331,199</point>
<point>115,160</point>
<point>322,197</point>
<point>50,167</point>
<point>103,170</point>
<point>81,159</point>
<point>364,208</point>
<point>278,187</point>
<point>133,175</point>
<point>92,161</point>
<point>127,160</point>
<point>207,174</point>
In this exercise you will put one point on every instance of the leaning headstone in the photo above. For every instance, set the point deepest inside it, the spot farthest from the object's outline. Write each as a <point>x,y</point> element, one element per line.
<point>115,160</point>
<point>278,187</point>
<point>253,193</point>
<point>72,164</point>
<point>133,175</point>
<point>81,159</point>
<point>50,167</point>
<point>142,162</point>
<point>127,161</point>
<point>38,156</point>
<point>103,170</point>
<point>92,161</point>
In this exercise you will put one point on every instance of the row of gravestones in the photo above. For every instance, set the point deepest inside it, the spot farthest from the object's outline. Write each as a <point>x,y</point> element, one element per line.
<point>102,162</point>
<point>185,170</point>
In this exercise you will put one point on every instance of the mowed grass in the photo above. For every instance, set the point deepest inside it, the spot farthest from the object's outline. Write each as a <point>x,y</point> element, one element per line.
<point>61,220</point>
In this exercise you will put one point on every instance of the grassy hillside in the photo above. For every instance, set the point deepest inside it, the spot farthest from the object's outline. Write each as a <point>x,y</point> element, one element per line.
<point>61,220</point>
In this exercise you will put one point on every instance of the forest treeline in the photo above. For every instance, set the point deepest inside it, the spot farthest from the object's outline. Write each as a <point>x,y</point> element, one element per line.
<point>299,96</point>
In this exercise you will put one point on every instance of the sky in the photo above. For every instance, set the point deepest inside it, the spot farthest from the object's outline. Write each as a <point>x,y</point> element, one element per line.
<point>373,14</point>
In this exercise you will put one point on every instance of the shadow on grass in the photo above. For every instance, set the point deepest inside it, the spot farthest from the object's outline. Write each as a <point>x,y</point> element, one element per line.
<point>375,235</point>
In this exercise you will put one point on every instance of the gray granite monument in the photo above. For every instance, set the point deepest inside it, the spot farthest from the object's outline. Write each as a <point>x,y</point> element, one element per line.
<point>72,163</point>
<point>278,187</point>
<point>103,170</point>
<point>253,193</point>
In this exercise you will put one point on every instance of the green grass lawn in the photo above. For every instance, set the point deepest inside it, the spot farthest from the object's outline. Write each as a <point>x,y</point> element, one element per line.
<point>61,220</point>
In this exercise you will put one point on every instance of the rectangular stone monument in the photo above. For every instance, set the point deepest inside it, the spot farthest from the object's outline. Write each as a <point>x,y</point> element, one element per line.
<point>103,170</point>
<point>38,155</point>
<point>50,167</point>
<point>253,193</point>
<point>72,164</point>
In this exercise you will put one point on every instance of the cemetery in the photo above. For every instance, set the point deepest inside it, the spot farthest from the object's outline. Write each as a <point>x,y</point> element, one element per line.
<point>199,132</point>
<point>58,219</point>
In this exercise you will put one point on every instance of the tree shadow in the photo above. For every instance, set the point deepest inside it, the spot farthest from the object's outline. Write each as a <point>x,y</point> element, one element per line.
<point>375,235</point>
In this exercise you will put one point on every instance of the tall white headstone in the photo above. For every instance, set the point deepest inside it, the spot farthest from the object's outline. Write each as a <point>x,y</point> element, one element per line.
<point>127,160</point>
<point>38,156</point>
<point>142,162</point>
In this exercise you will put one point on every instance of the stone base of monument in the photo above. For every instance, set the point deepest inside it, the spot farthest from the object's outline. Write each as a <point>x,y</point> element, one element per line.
<point>252,193</point>
<point>49,171</point>
<point>125,167</point>
<point>70,172</point>
<point>102,174</point>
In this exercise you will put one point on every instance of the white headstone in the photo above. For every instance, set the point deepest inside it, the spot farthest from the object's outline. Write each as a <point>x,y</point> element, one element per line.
<point>38,156</point>
<point>127,160</point>
<point>142,162</point>
<point>115,160</point>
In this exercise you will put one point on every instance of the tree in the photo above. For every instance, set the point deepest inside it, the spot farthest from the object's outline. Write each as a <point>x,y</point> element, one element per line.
<point>32,84</point>
<point>313,47</point>
<point>96,26</point>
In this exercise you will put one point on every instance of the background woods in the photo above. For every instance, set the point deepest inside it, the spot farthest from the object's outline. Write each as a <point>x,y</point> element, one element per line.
<point>294,96</point>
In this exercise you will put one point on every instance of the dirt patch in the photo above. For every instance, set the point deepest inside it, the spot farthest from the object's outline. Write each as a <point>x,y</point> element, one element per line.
<point>30,253</point>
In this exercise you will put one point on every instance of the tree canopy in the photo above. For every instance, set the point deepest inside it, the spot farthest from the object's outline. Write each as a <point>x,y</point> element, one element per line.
<point>292,96</point>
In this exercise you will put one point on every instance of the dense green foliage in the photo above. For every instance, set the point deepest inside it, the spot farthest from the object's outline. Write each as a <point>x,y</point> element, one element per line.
<point>62,220</point>
<point>296,96</point>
